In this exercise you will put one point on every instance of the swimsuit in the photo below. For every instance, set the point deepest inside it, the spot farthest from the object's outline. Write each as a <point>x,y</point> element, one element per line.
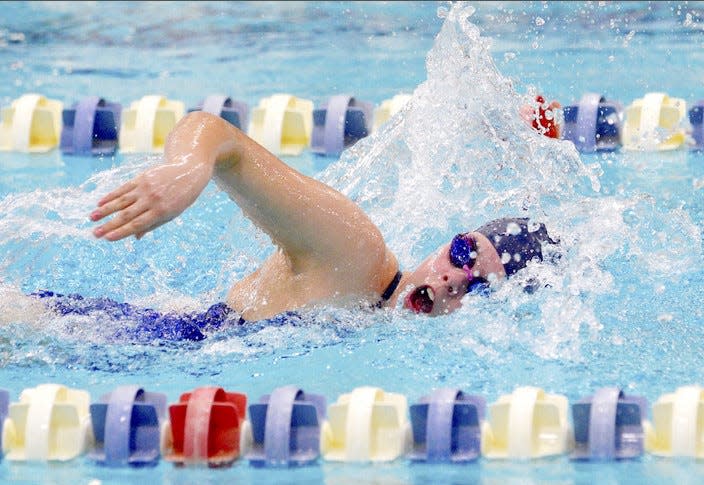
<point>145,325</point>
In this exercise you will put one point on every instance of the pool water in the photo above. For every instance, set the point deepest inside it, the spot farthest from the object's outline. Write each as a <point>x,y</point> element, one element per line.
<point>621,306</point>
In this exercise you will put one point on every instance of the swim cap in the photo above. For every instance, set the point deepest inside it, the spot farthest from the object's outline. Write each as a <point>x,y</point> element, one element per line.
<point>515,243</point>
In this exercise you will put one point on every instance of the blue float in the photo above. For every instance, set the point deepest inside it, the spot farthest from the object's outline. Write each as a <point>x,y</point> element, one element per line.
<point>234,112</point>
<point>447,427</point>
<point>286,428</point>
<point>91,127</point>
<point>127,426</point>
<point>339,123</point>
<point>593,124</point>
<point>696,119</point>
<point>609,425</point>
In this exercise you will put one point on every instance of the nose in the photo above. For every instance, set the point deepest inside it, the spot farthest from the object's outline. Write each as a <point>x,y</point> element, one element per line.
<point>455,279</point>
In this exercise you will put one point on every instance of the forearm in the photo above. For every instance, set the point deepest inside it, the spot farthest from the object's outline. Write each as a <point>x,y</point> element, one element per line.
<point>204,146</point>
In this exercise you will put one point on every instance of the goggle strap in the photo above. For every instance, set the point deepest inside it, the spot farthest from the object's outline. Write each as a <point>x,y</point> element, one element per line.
<point>468,272</point>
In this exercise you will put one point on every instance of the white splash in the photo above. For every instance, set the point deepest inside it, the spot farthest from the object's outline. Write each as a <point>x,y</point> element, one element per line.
<point>458,155</point>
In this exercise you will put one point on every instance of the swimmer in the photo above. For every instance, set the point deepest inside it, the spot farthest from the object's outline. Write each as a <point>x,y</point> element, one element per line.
<point>328,251</point>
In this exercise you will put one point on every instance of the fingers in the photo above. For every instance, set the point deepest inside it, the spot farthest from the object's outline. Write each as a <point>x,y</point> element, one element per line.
<point>138,225</point>
<point>120,191</point>
<point>114,205</point>
<point>132,220</point>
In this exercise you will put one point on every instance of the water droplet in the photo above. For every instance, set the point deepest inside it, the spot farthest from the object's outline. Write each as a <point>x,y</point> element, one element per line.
<point>513,229</point>
<point>665,318</point>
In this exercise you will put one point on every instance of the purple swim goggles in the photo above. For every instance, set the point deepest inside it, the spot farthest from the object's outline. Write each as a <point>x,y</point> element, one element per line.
<point>463,251</point>
<point>463,255</point>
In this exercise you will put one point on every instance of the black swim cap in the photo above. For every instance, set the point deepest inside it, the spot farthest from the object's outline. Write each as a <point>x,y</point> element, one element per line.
<point>514,242</point>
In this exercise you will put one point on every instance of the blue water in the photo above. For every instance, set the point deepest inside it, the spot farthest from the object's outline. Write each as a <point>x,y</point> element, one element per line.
<point>624,307</point>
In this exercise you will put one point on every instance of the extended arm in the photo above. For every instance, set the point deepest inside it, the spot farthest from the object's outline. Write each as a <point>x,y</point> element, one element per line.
<point>311,222</point>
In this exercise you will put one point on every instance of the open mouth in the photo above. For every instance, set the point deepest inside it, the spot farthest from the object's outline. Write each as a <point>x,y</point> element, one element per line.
<point>422,299</point>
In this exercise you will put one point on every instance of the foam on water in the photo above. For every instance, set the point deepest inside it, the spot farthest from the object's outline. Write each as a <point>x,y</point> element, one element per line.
<point>458,150</point>
<point>459,155</point>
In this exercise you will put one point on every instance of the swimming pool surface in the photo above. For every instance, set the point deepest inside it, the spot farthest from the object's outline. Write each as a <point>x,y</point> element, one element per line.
<point>622,306</point>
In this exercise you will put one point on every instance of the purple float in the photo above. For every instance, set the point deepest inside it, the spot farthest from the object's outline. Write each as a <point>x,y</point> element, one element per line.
<point>285,427</point>
<point>127,426</point>
<point>234,112</point>
<point>594,124</point>
<point>696,119</point>
<point>608,425</point>
<point>4,409</point>
<point>446,427</point>
<point>340,123</point>
<point>91,127</point>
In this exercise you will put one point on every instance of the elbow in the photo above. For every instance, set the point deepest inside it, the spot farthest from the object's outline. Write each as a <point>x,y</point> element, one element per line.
<point>198,117</point>
<point>186,131</point>
<point>192,126</point>
<point>199,133</point>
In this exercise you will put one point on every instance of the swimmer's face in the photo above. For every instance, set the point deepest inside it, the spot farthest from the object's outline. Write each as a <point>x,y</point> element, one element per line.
<point>436,286</point>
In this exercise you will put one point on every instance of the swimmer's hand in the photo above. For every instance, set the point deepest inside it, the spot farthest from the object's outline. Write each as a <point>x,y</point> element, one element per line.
<point>151,199</point>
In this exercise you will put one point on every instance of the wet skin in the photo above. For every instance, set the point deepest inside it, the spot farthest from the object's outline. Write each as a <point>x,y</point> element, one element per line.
<point>436,286</point>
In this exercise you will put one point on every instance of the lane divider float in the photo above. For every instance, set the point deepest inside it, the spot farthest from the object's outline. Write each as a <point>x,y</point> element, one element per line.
<point>388,109</point>
<point>90,127</point>
<point>528,423</point>
<point>50,423</point>
<point>128,427</point>
<point>609,425</point>
<point>654,123</point>
<point>147,122</point>
<point>32,124</point>
<point>289,427</point>
<point>447,427</point>
<point>205,427</point>
<point>366,425</point>
<point>233,111</point>
<point>284,428</point>
<point>282,123</point>
<point>287,125</point>
<point>678,424</point>
<point>340,123</point>
<point>594,124</point>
